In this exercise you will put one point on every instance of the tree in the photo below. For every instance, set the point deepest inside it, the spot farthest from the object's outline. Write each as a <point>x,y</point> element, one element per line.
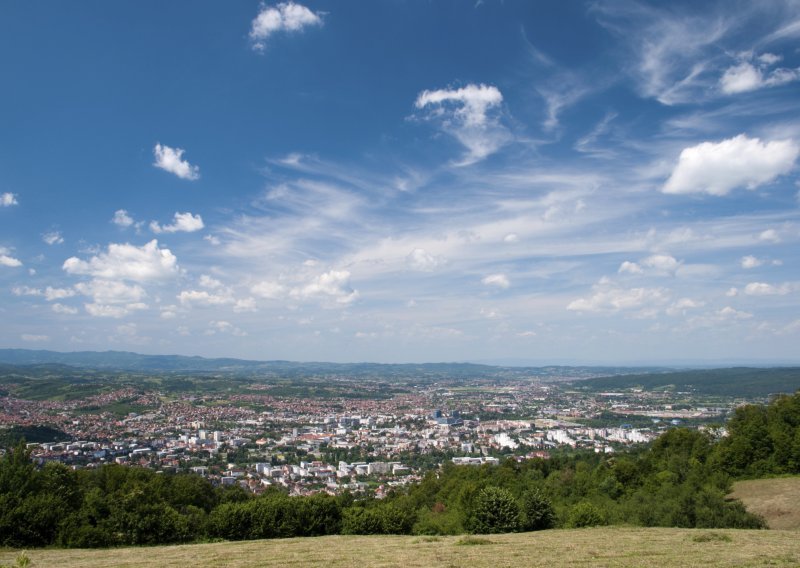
<point>537,511</point>
<point>495,511</point>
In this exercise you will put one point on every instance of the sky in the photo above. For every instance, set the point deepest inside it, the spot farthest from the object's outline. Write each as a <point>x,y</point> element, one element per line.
<point>402,181</point>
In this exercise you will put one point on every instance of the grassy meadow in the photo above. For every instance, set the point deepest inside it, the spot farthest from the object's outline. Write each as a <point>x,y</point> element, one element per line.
<point>598,547</point>
<point>777,500</point>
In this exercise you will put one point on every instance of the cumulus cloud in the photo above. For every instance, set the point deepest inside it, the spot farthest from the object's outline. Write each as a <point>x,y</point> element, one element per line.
<point>497,280</point>
<point>269,290</point>
<point>183,222</point>
<point>657,263</point>
<point>224,327</point>
<point>51,293</point>
<point>112,311</point>
<point>753,73</point>
<point>333,285</point>
<point>62,309</point>
<point>628,267</point>
<point>770,236</point>
<point>764,289</point>
<point>464,114</point>
<point>8,199</point>
<point>53,238</point>
<point>420,259</point>
<point>127,262</point>
<point>207,281</point>
<point>245,305</point>
<point>111,292</point>
<point>680,307</point>
<point>750,261</point>
<point>122,219</point>
<point>7,260</point>
<point>170,160</point>
<point>718,167</point>
<point>729,313</point>
<point>608,297</point>
<point>204,298</point>
<point>284,17</point>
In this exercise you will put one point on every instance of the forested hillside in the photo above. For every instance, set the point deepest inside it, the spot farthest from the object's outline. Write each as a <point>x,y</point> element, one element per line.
<point>739,381</point>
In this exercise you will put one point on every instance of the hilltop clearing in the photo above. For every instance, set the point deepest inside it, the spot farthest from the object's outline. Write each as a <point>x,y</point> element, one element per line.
<point>777,500</point>
<point>618,547</point>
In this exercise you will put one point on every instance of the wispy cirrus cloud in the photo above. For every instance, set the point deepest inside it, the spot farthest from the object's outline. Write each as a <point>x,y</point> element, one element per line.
<point>469,115</point>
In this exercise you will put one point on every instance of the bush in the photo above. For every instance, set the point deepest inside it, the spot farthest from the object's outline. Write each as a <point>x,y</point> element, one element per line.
<point>585,514</point>
<point>495,511</point>
<point>537,511</point>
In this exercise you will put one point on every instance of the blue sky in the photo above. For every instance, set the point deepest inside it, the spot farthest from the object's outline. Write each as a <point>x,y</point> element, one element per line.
<point>402,181</point>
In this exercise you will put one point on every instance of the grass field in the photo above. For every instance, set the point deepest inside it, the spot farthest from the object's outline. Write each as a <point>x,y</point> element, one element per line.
<point>600,547</point>
<point>777,500</point>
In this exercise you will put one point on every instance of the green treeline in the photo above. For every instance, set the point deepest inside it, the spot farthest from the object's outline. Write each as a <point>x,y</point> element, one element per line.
<point>680,480</point>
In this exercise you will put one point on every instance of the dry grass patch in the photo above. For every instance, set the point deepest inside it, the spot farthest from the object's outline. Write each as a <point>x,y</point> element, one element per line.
<point>777,500</point>
<point>599,547</point>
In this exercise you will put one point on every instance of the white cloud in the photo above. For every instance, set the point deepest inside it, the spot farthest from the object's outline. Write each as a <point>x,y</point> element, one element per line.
<point>661,262</point>
<point>750,261</point>
<point>122,219</point>
<point>53,238</point>
<point>169,159</point>
<point>111,292</point>
<point>732,292</point>
<point>334,285</point>
<point>224,327</point>
<point>51,293</point>
<point>26,291</point>
<point>419,259</point>
<point>630,268</point>
<point>284,17</point>
<point>183,222</point>
<point>245,305</point>
<point>718,167</point>
<point>269,290</point>
<point>764,289</point>
<point>681,306</point>
<point>127,262</point>
<point>658,263</point>
<point>7,260</point>
<point>34,338</point>
<point>204,298</point>
<point>752,73</point>
<point>105,311</point>
<point>770,236</point>
<point>464,114</point>
<point>207,281</point>
<point>498,280</point>
<point>8,199</point>
<point>729,313</point>
<point>62,309</point>
<point>609,297</point>
<point>511,238</point>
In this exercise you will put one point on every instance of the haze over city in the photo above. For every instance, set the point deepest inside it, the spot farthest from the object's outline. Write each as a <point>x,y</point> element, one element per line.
<point>402,181</point>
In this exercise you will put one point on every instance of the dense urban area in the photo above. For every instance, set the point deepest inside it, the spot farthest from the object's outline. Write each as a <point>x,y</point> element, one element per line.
<point>114,449</point>
<point>333,433</point>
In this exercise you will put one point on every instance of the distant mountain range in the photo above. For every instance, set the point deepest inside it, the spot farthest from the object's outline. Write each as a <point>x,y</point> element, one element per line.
<point>136,362</point>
